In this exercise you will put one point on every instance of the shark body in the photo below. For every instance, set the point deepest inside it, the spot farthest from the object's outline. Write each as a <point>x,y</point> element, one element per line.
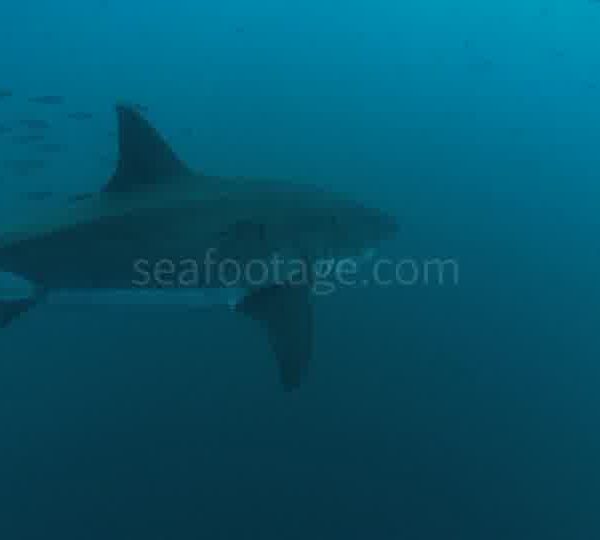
<point>157,224</point>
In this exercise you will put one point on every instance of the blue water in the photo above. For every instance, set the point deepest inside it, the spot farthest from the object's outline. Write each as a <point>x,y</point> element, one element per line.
<point>465,411</point>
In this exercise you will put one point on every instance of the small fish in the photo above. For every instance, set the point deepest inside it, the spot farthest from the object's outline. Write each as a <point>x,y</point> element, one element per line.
<point>80,197</point>
<point>51,148</point>
<point>38,195</point>
<point>24,167</point>
<point>35,124</point>
<point>27,139</point>
<point>482,65</point>
<point>24,163</point>
<point>80,115</point>
<point>48,100</point>
<point>5,93</point>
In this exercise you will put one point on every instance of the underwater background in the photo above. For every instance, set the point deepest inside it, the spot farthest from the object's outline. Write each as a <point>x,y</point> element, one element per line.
<point>464,411</point>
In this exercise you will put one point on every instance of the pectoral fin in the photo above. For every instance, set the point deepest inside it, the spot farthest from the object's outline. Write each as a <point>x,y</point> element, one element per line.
<point>286,312</point>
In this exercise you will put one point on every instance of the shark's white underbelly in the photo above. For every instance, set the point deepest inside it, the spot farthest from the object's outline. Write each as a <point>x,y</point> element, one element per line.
<point>14,288</point>
<point>146,300</point>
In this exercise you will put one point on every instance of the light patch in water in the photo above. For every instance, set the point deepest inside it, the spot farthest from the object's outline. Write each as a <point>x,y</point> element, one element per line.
<point>13,287</point>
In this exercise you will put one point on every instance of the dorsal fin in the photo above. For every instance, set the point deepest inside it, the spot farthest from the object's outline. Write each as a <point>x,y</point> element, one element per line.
<point>145,158</point>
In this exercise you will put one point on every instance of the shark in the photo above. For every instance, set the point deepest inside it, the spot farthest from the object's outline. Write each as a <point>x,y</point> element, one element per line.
<point>156,224</point>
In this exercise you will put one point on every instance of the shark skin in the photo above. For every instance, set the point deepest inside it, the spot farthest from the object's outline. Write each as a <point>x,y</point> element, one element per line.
<point>155,216</point>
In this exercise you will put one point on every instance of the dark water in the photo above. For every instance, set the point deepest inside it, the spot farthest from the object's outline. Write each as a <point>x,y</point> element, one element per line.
<point>462,411</point>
